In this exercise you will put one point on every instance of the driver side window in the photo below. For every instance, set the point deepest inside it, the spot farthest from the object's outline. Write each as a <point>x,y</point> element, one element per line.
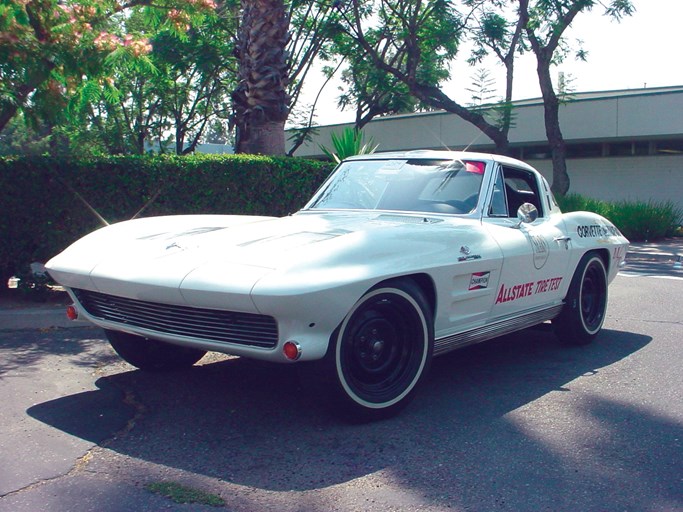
<point>512,188</point>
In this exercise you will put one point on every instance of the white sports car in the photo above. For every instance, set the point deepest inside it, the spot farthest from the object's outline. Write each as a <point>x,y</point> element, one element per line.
<point>399,257</point>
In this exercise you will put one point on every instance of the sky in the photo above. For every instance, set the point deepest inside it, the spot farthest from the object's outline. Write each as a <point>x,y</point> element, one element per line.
<point>644,50</point>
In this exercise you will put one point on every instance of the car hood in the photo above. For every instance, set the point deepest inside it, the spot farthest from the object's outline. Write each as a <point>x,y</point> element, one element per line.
<point>179,258</point>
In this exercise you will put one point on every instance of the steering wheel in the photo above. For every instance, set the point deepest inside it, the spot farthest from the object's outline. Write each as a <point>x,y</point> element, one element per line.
<point>466,205</point>
<point>362,195</point>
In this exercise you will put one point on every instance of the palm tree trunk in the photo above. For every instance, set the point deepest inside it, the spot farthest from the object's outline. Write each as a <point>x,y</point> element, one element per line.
<point>261,102</point>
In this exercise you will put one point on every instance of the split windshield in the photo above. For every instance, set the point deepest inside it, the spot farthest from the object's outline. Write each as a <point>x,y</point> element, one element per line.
<point>437,186</point>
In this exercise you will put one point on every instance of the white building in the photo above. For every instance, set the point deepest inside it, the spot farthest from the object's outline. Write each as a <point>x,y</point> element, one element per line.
<point>621,144</point>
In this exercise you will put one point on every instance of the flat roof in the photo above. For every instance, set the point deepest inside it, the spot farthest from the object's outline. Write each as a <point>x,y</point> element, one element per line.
<point>616,115</point>
<point>575,97</point>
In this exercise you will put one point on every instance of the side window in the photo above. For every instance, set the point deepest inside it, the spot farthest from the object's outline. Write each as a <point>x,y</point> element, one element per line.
<point>550,202</point>
<point>499,206</point>
<point>521,187</point>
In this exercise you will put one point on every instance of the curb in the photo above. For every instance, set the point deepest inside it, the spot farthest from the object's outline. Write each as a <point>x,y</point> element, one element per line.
<point>35,318</point>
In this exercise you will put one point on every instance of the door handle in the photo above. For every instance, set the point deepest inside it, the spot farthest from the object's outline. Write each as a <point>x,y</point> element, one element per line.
<point>565,239</point>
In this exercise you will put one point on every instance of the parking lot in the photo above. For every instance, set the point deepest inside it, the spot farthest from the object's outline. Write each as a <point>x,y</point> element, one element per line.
<point>519,423</point>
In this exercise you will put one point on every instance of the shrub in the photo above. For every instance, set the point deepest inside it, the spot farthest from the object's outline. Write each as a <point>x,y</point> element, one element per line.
<point>48,203</point>
<point>637,220</point>
<point>351,142</point>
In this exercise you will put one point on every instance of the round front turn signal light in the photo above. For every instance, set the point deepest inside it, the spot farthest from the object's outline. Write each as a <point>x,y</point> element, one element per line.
<point>71,312</point>
<point>292,350</point>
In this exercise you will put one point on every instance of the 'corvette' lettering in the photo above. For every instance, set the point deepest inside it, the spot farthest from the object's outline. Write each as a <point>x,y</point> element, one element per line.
<point>519,291</point>
<point>596,231</point>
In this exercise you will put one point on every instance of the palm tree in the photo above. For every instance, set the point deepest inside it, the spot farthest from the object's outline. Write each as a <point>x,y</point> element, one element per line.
<point>261,102</point>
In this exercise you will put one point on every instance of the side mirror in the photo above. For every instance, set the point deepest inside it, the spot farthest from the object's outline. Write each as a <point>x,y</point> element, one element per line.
<point>526,214</point>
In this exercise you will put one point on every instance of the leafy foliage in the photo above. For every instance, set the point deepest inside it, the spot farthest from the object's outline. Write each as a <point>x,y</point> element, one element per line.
<point>351,142</point>
<point>372,90</point>
<point>482,88</point>
<point>637,220</point>
<point>75,193</point>
<point>415,43</point>
<point>313,26</point>
<point>57,58</point>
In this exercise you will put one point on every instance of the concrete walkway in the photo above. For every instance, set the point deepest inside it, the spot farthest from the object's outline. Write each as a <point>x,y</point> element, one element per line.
<point>16,313</point>
<point>663,250</point>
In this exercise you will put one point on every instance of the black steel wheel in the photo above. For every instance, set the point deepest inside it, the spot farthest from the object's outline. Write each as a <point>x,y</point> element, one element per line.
<point>382,350</point>
<point>586,304</point>
<point>152,355</point>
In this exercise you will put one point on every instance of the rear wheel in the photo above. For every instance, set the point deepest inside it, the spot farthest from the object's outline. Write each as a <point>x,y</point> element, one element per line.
<point>152,355</point>
<point>584,312</point>
<point>381,351</point>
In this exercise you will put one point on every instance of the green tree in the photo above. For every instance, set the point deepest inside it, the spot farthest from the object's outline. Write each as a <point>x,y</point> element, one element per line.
<point>44,43</point>
<point>196,75</point>
<point>367,88</point>
<point>19,138</point>
<point>483,88</point>
<point>313,26</point>
<point>371,90</point>
<point>48,46</point>
<point>495,29</point>
<point>545,23</point>
<point>415,42</point>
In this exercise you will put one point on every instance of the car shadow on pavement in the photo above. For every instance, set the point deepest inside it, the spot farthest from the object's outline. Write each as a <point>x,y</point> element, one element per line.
<point>251,423</point>
<point>95,416</point>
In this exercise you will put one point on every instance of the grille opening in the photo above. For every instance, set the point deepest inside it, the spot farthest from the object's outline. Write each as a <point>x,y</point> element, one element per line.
<point>208,324</point>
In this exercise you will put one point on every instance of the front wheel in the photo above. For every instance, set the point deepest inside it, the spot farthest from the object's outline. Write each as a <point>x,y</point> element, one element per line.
<point>382,350</point>
<point>584,312</point>
<point>152,355</point>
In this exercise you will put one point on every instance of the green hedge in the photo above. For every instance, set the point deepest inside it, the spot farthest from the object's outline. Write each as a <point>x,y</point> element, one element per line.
<point>638,220</point>
<point>43,200</point>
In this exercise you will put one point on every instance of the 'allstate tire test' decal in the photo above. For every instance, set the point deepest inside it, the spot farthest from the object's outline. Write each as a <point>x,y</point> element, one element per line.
<point>519,291</point>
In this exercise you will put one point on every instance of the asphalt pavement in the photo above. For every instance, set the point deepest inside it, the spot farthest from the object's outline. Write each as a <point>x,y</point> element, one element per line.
<point>528,426</point>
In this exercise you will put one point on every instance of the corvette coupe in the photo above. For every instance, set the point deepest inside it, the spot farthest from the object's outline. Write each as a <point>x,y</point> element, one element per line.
<point>398,258</point>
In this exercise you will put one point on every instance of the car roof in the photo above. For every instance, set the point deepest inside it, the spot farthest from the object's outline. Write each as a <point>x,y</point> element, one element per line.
<point>429,154</point>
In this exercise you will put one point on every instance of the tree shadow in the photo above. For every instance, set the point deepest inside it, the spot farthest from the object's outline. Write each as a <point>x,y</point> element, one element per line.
<point>24,349</point>
<point>252,424</point>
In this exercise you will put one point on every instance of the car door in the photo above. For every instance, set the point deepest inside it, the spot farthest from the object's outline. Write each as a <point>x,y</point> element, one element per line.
<point>535,255</point>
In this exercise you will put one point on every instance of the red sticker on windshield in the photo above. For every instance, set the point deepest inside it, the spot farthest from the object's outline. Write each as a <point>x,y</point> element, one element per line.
<point>475,167</point>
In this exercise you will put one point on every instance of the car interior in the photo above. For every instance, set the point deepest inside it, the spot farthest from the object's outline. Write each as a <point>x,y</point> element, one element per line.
<point>454,191</point>
<point>512,189</point>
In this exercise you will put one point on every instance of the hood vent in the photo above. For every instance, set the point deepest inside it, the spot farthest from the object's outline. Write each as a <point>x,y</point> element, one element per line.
<point>408,219</point>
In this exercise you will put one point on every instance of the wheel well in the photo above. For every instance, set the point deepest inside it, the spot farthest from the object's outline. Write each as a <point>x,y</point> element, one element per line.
<point>604,256</point>
<point>426,285</point>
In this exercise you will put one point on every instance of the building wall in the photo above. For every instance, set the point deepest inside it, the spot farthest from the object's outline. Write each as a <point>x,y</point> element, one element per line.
<point>641,114</point>
<point>593,124</point>
<point>656,178</point>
